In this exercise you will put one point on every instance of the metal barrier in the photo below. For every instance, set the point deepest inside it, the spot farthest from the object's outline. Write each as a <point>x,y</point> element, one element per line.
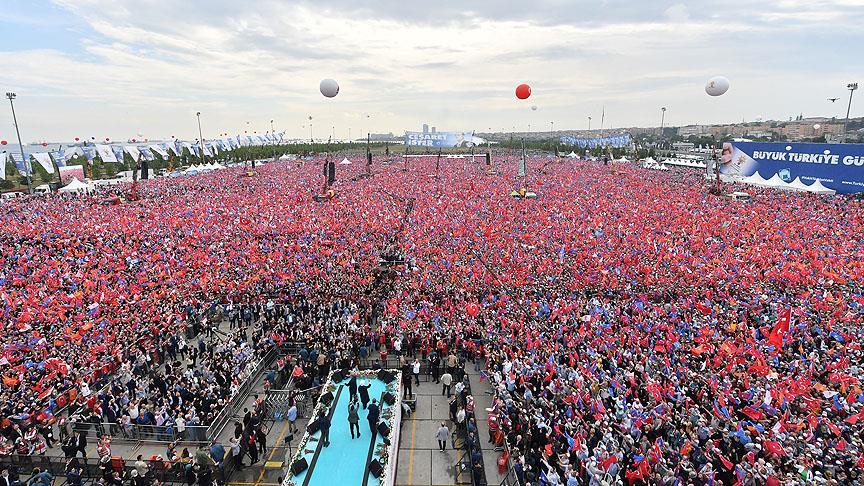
<point>141,433</point>
<point>236,403</point>
<point>91,469</point>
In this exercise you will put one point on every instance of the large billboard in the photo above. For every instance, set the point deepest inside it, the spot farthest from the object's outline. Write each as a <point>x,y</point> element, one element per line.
<point>442,139</point>
<point>615,141</point>
<point>837,166</point>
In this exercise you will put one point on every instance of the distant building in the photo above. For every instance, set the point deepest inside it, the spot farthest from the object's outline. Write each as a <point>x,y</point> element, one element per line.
<point>425,128</point>
<point>691,130</point>
<point>433,129</point>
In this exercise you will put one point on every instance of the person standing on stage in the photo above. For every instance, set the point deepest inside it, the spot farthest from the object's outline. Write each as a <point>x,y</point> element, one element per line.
<point>354,418</point>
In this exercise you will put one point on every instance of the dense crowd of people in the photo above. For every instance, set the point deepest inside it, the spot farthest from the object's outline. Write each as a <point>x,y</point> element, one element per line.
<point>637,328</point>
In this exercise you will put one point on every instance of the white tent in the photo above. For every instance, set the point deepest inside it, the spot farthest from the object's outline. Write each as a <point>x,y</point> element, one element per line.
<point>797,185</point>
<point>818,188</point>
<point>622,159</point>
<point>217,166</point>
<point>76,186</point>
<point>756,179</point>
<point>776,182</point>
<point>345,161</point>
<point>571,155</point>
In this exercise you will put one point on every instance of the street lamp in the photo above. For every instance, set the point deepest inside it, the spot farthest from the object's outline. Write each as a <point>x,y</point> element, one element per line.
<point>273,133</point>
<point>201,138</point>
<point>26,162</point>
<point>589,123</point>
<point>662,123</point>
<point>851,87</point>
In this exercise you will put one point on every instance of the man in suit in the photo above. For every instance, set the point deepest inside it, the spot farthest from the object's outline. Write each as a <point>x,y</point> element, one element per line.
<point>324,423</point>
<point>373,413</point>
<point>352,387</point>
<point>363,389</point>
<point>80,443</point>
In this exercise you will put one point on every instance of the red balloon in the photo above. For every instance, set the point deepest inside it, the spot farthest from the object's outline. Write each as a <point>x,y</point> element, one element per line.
<point>76,139</point>
<point>133,140</point>
<point>4,142</point>
<point>107,139</point>
<point>523,91</point>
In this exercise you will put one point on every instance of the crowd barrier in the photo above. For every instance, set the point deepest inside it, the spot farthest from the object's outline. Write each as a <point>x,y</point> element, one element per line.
<point>92,469</point>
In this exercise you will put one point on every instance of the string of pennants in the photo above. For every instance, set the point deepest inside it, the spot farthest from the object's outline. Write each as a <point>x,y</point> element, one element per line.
<point>114,153</point>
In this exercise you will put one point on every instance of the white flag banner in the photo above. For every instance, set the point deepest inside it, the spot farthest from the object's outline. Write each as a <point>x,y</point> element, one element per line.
<point>72,152</point>
<point>146,153</point>
<point>105,153</point>
<point>133,152</point>
<point>206,149</point>
<point>159,150</point>
<point>3,158</point>
<point>44,160</point>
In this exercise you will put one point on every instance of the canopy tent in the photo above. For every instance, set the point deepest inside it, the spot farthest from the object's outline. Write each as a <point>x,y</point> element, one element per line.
<point>622,159</point>
<point>818,188</point>
<point>571,155</point>
<point>345,161</point>
<point>755,179</point>
<point>76,186</point>
<point>776,182</point>
<point>797,185</point>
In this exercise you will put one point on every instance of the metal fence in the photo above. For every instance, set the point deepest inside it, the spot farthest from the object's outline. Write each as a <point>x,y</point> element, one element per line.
<point>92,469</point>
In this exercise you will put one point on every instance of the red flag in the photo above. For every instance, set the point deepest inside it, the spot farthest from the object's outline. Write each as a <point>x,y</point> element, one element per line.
<point>781,328</point>
<point>753,413</point>
<point>606,464</point>
<point>774,448</point>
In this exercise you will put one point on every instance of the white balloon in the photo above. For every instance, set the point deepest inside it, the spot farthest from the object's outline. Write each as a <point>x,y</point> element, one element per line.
<point>329,87</point>
<point>534,108</point>
<point>817,126</point>
<point>717,86</point>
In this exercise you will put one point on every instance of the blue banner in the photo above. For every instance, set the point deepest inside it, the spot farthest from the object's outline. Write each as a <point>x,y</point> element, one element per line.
<point>836,166</point>
<point>118,153</point>
<point>89,152</point>
<point>617,141</point>
<point>441,139</point>
<point>19,162</point>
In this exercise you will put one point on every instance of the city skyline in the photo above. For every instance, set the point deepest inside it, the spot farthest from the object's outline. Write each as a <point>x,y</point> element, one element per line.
<point>108,69</point>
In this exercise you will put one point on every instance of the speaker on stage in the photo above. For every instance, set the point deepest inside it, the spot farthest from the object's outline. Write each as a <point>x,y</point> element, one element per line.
<point>388,398</point>
<point>313,427</point>
<point>299,466</point>
<point>338,376</point>
<point>375,468</point>
<point>383,429</point>
<point>327,398</point>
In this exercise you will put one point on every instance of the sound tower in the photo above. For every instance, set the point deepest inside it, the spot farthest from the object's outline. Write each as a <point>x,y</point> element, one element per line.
<point>488,158</point>
<point>145,170</point>
<point>331,172</point>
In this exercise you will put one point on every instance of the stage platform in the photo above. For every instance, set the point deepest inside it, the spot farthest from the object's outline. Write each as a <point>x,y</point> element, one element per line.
<point>346,460</point>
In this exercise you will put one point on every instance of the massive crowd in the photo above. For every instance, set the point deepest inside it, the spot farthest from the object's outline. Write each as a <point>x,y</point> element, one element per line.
<point>636,327</point>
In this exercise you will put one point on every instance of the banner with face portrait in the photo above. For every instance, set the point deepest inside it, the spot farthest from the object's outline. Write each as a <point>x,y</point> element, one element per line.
<point>837,166</point>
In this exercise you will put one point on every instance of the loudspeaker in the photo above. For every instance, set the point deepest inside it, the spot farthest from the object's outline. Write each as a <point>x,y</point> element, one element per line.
<point>299,466</point>
<point>338,376</point>
<point>368,158</point>
<point>327,398</point>
<point>488,158</point>
<point>375,468</point>
<point>331,172</point>
<point>383,429</point>
<point>313,427</point>
<point>385,376</point>
<point>388,398</point>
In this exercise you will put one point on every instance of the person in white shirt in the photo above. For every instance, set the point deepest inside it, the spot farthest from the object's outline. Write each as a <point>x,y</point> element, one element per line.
<point>415,370</point>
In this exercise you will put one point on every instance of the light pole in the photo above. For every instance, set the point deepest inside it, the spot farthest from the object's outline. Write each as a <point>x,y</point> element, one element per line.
<point>311,138</point>
<point>851,87</point>
<point>589,123</point>
<point>662,123</point>
<point>26,162</point>
<point>201,138</point>
<point>273,133</point>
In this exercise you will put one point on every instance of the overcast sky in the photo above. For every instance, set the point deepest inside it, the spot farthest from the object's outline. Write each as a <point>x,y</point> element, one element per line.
<point>117,68</point>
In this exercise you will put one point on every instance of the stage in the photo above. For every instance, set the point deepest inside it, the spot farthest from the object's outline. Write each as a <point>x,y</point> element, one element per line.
<point>347,461</point>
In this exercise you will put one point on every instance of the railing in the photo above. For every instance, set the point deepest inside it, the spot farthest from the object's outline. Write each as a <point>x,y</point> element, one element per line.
<point>236,403</point>
<point>140,433</point>
<point>90,469</point>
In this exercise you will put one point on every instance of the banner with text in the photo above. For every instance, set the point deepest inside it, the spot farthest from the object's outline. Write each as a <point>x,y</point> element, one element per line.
<point>616,141</point>
<point>442,139</point>
<point>837,166</point>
